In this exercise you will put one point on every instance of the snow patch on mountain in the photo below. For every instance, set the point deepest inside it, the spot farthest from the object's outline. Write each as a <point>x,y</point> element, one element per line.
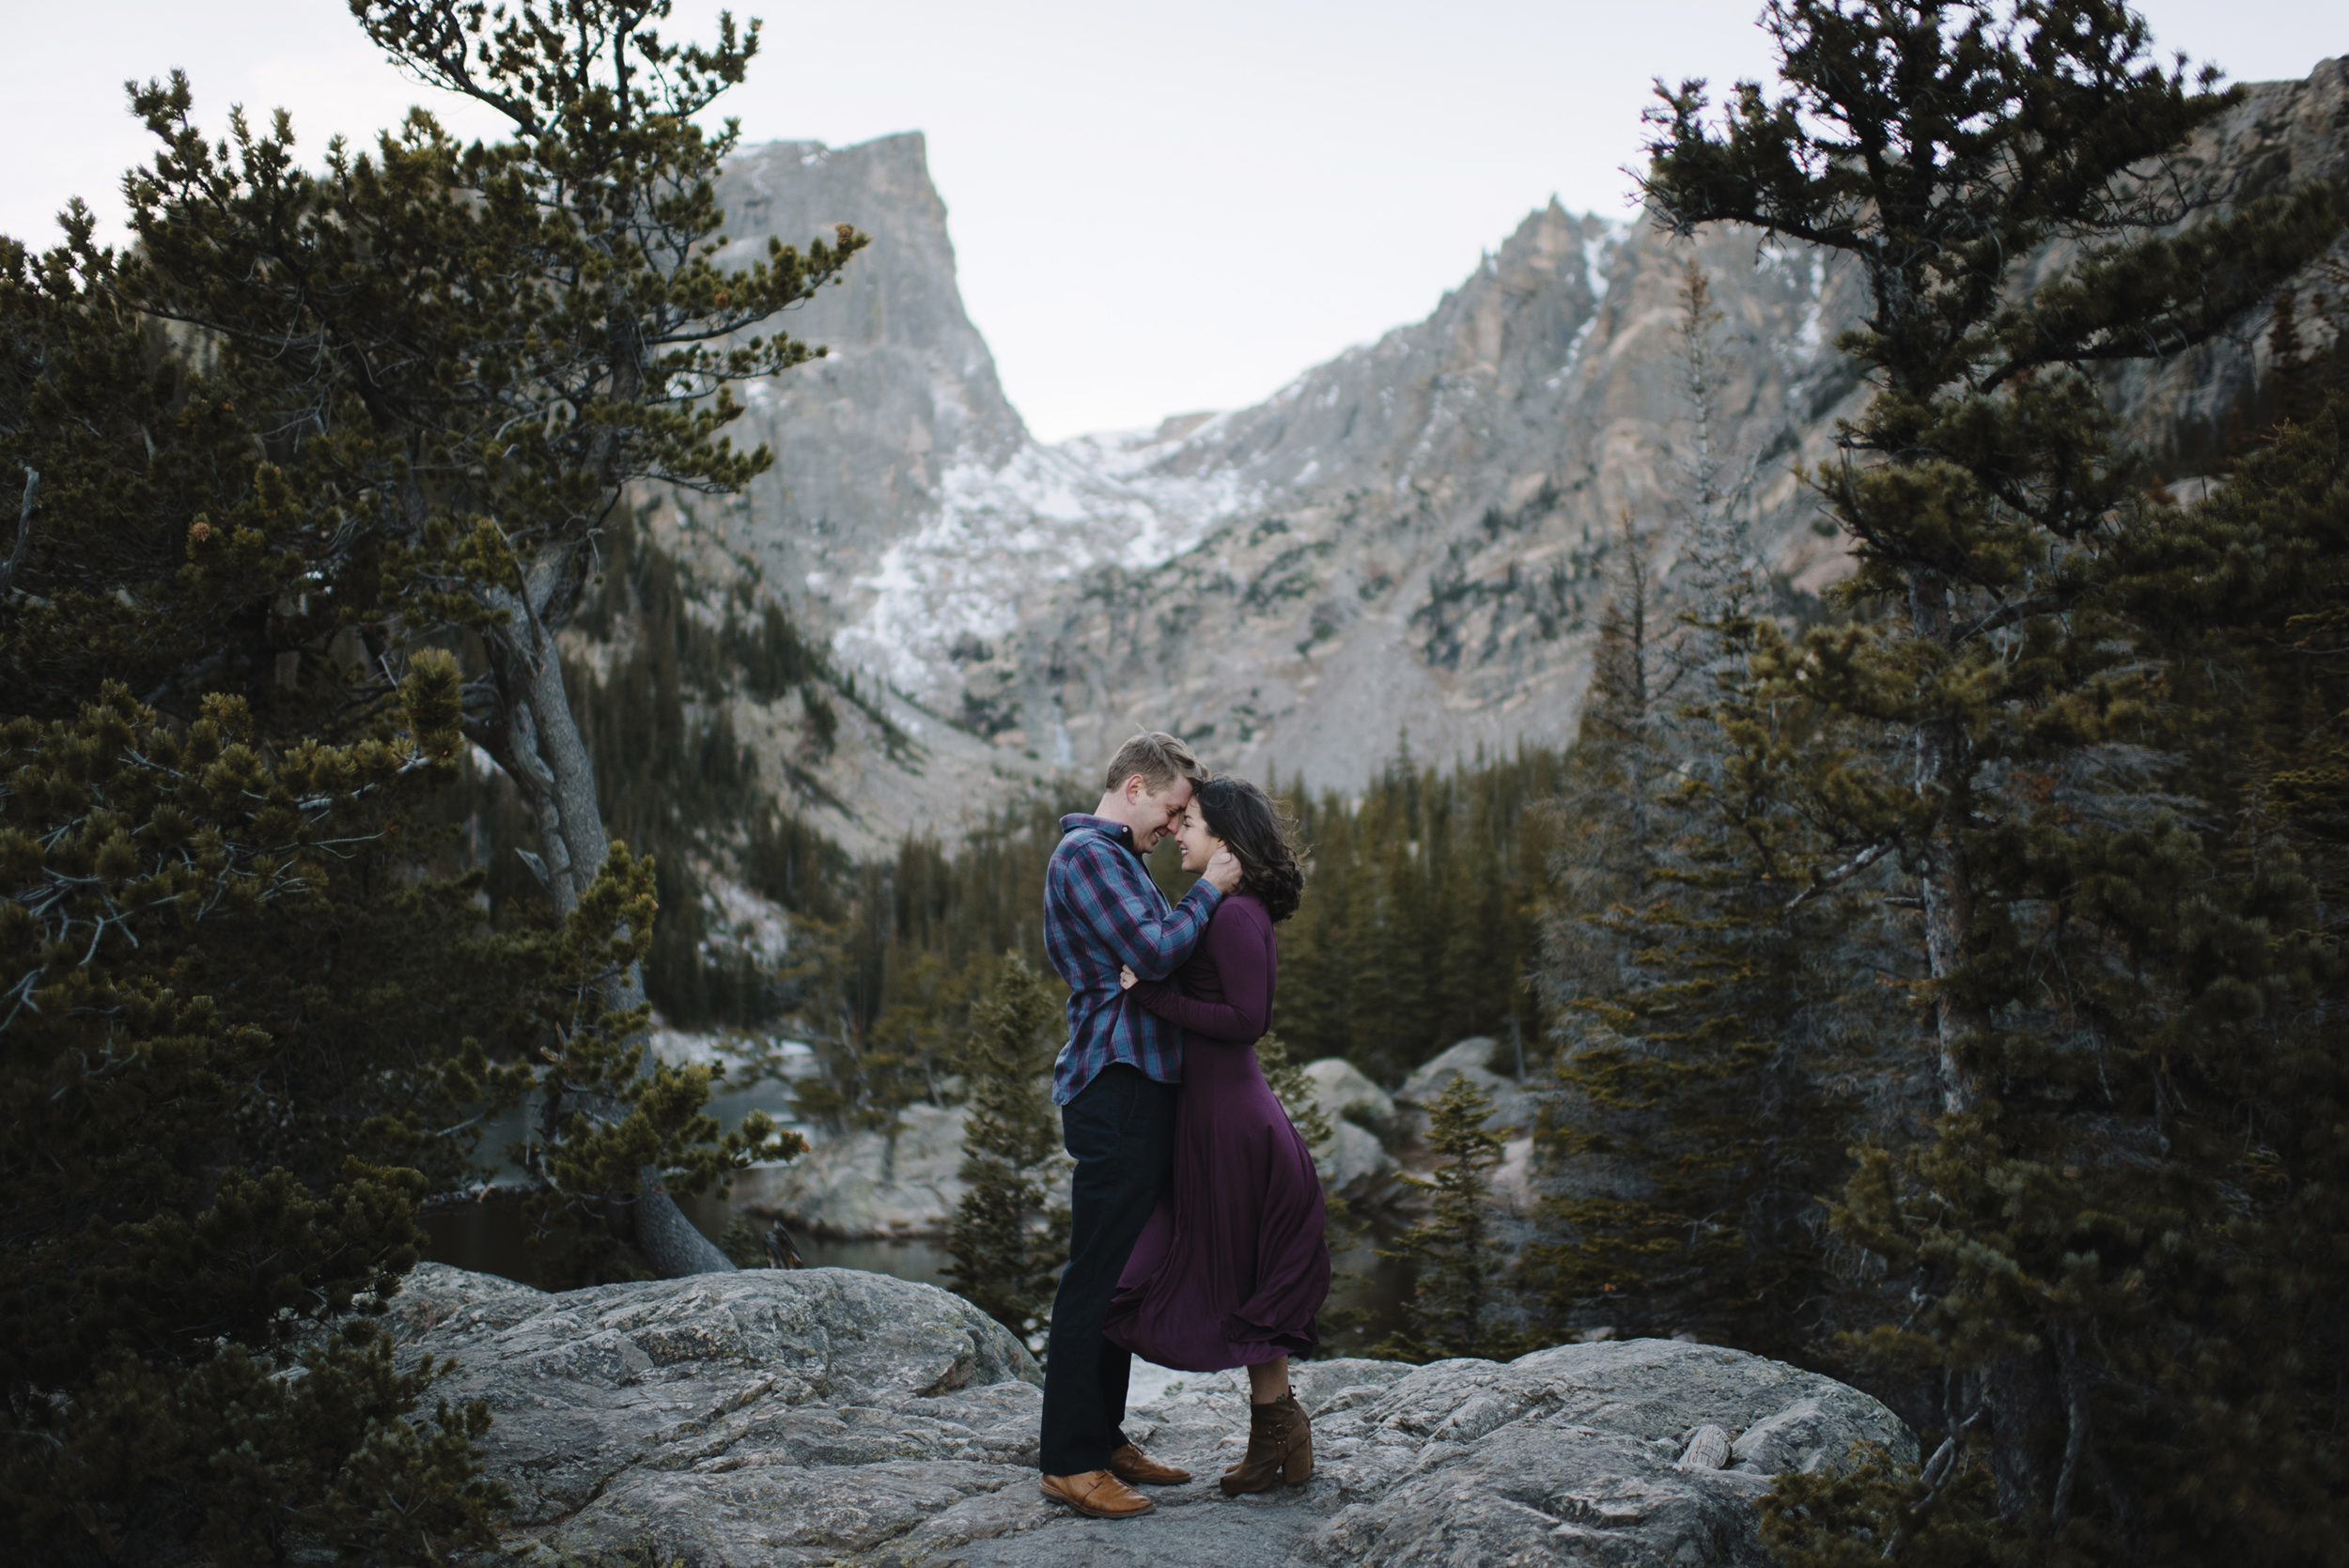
<point>1046,515</point>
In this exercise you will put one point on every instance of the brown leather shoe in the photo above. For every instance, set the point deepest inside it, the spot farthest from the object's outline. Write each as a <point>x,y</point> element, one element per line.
<point>1137,1469</point>
<point>1098,1495</point>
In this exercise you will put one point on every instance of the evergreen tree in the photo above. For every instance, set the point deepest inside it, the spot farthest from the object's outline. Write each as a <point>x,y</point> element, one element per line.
<point>1604,859</point>
<point>1701,1022</point>
<point>253,1016</point>
<point>1008,1241</point>
<point>2089,951</point>
<point>464,355</point>
<point>233,1049</point>
<point>655,712</point>
<point>1423,922</point>
<point>165,542</point>
<point>885,991</point>
<point>1460,1303</point>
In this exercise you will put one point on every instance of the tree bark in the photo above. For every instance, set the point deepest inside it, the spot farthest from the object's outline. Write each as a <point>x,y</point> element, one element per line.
<point>2026,1418</point>
<point>23,534</point>
<point>538,743</point>
<point>1945,888</point>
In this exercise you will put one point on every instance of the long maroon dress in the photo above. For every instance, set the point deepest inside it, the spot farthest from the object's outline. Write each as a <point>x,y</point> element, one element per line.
<point>1233,1266</point>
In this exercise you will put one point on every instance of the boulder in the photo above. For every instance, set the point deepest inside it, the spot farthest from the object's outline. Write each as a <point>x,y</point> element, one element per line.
<point>763,1417</point>
<point>1513,1108</point>
<point>862,1184</point>
<point>1354,1164</point>
<point>866,1185</point>
<point>1345,1094</point>
<point>824,1415</point>
<point>1585,1453</point>
<point>1512,1180</point>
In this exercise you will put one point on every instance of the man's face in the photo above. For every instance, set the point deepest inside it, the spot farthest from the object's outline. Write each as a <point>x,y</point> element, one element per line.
<point>1158,813</point>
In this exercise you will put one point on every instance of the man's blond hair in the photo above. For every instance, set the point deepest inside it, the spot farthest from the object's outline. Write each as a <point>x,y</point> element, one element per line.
<point>1159,757</point>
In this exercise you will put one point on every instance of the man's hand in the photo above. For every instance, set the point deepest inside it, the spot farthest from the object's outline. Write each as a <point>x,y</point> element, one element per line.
<point>1224,871</point>
<point>1126,977</point>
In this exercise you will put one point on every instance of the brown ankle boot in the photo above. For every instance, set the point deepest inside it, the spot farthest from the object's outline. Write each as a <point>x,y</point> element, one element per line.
<point>1280,1443</point>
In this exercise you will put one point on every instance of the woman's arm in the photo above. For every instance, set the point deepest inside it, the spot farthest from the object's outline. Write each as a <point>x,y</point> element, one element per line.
<point>1235,945</point>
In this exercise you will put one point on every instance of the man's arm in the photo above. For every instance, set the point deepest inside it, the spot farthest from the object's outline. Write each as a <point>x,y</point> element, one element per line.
<point>1118,904</point>
<point>1237,946</point>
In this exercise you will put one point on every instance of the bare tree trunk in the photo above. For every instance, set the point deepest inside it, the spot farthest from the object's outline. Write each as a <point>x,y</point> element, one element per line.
<point>538,745</point>
<point>2027,1418</point>
<point>1945,888</point>
<point>23,534</point>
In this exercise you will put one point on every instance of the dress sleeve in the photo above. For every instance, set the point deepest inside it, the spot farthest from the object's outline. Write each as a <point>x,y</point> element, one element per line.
<point>1235,945</point>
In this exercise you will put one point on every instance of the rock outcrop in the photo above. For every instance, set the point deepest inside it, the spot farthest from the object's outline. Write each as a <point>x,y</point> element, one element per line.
<point>1354,1164</point>
<point>824,1415</point>
<point>866,436</point>
<point>869,1184</point>
<point>1345,1093</point>
<point>1514,1107</point>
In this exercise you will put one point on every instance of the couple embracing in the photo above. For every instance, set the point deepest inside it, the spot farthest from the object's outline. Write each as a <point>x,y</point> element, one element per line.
<point>1196,1238</point>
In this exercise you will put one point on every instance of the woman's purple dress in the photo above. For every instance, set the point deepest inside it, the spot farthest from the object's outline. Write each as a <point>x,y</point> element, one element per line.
<point>1233,1266</point>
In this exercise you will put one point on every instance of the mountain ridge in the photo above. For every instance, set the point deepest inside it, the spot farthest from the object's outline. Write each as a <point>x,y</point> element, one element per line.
<point>1412,536</point>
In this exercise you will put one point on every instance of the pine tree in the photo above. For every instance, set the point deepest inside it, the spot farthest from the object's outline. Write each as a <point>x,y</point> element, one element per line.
<point>1606,801</point>
<point>675,781</point>
<point>1700,1021</point>
<point>2057,1239</point>
<point>1461,1303</point>
<point>215,1167</point>
<point>466,352</point>
<point>1422,920</point>
<point>252,1019</point>
<point>1008,1242</point>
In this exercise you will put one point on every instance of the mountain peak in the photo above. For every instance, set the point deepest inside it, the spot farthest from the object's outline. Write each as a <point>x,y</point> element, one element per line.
<point>1416,531</point>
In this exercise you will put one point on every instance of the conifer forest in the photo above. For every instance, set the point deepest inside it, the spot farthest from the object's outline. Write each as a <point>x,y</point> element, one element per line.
<point>1936,978</point>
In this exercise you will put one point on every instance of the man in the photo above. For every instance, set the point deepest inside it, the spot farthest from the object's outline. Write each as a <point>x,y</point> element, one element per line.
<point>1114,1082</point>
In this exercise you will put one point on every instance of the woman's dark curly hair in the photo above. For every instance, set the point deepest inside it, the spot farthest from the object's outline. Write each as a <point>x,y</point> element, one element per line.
<point>1252,827</point>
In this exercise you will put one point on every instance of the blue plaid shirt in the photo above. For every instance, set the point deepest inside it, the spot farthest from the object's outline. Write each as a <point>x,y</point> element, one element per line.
<point>1101,910</point>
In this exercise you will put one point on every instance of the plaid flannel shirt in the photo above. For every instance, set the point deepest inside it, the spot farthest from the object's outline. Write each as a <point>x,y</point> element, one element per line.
<point>1101,910</point>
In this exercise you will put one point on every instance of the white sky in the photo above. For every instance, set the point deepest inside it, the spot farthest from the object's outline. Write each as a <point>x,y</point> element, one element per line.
<point>1155,209</point>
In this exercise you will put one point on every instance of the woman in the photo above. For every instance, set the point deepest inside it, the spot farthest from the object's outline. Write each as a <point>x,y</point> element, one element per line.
<point>1233,1267</point>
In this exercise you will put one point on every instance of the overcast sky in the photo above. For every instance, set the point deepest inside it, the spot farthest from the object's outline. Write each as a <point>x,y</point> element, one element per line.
<point>1157,209</point>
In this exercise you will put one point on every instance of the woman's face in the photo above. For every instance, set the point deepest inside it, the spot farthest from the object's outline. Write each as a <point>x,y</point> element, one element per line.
<point>1199,846</point>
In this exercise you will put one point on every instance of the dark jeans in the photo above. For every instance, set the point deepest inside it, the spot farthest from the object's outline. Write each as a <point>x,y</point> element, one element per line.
<point>1121,1130</point>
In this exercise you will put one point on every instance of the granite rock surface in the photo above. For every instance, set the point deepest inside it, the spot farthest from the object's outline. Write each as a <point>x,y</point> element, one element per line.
<point>1514,1107</point>
<point>1345,1093</point>
<point>829,1417</point>
<point>869,1184</point>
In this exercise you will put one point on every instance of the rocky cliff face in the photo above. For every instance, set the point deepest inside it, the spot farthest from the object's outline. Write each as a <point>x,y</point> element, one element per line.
<point>907,389</point>
<point>1425,521</point>
<point>1410,536</point>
